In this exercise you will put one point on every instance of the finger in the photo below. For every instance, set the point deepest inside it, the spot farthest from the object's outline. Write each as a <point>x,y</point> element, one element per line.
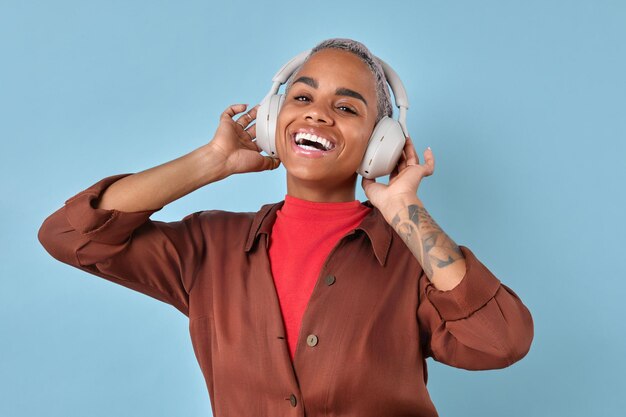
<point>247,118</point>
<point>244,120</point>
<point>269,163</point>
<point>252,131</point>
<point>429,161</point>
<point>394,172</point>
<point>248,139</point>
<point>367,181</point>
<point>249,144</point>
<point>402,162</point>
<point>253,111</point>
<point>412,157</point>
<point>370,186</point>
<point>233,110</point>
<point>264,163</point>
<point>400,167</point>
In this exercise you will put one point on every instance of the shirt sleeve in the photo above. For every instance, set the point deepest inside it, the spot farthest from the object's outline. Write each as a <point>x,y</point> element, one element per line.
<point>155,258</point>
<point>479,324</point>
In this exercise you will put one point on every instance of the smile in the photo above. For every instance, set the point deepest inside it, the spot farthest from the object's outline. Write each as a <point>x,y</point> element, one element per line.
<point>311,142</point>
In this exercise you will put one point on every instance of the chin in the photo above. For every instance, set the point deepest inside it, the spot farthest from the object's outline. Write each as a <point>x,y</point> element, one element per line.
<point>304,173</point>
<point>324,179</point>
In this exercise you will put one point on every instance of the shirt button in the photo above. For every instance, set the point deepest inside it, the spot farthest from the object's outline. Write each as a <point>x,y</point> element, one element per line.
<point>311,340</point>
<point>330,279</point>
<point>292,400</point>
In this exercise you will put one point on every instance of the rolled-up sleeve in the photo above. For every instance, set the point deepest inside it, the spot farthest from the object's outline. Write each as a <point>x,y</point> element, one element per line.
<point>152,257</point>
<point>479,324</point>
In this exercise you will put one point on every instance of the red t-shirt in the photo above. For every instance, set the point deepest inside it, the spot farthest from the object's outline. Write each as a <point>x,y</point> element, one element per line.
<point>302,237</point>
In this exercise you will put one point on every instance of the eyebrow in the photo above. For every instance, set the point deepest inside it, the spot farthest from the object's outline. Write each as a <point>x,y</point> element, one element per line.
<point>341,91</point>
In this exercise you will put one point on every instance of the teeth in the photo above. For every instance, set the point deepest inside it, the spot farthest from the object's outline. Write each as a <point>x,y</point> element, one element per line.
<point>300,136</point>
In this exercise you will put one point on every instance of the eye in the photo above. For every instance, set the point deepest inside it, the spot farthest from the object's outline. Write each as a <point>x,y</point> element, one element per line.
<point>347,109</point>
<point>302,98</point>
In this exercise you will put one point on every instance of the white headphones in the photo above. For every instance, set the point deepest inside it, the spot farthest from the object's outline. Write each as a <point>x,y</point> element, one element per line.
<point>387,140</point>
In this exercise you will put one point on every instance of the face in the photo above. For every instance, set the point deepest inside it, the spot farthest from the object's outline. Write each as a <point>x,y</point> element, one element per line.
<point>326,120</point>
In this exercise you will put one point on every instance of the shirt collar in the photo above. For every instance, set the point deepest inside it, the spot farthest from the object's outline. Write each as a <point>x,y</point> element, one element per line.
<point>374,225</point>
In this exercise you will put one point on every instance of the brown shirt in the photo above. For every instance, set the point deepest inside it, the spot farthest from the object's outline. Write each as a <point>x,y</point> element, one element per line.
<point>372,320</point>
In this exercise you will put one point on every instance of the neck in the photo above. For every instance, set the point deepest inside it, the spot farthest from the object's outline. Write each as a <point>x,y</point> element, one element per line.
<point>314,191</point>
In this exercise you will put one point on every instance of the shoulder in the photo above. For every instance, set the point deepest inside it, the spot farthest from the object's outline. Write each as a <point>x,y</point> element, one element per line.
<point>220,218</point>
<point>235,221</point>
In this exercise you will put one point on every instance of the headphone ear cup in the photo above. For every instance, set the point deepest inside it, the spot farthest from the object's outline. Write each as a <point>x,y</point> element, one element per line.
<point>383,150</point>
<point>267,116</point>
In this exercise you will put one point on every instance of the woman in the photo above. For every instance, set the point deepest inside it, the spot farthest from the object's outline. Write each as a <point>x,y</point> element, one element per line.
<point>318,304</point>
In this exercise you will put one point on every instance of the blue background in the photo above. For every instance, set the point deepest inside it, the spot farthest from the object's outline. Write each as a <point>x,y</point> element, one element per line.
<point>522,102</point>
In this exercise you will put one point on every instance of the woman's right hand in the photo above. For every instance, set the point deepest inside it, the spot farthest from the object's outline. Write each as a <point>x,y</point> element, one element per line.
<point>233,143</point>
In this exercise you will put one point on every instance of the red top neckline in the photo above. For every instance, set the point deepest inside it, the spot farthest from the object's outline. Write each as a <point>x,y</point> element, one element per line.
<point>298,208</point>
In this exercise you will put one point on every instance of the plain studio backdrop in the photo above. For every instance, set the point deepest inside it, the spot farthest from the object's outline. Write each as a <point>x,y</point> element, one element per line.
<point>522,102</point>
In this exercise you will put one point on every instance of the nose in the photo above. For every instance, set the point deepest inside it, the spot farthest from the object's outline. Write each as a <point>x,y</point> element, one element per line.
<point>318,113</point>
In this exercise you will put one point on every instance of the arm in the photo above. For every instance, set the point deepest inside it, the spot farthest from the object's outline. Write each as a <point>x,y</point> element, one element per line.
<point>442,260</point>
<point>154,258</point>
<point>467,318</point>
<point>230,152</point>
<point>105,230</point>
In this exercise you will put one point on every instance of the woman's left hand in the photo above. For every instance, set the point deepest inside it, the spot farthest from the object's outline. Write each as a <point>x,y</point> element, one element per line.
<point>403,180</point>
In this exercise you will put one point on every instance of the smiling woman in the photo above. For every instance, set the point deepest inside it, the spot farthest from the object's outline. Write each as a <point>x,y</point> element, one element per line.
<point>316,104</point>
<point>318,304</point>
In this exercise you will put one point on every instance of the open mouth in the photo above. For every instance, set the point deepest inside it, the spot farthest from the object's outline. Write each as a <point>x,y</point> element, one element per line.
<point>311,142</point>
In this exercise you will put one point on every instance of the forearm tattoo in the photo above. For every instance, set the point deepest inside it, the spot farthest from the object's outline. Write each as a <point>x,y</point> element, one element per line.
<point>432,247</point>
